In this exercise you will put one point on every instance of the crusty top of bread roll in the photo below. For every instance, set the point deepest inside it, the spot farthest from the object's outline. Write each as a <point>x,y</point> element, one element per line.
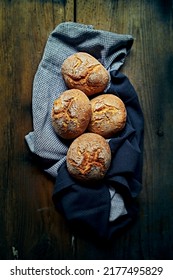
<point>71,113</point>
<point>88,157</point>
<point>108,115</point>
<point>83,71</point>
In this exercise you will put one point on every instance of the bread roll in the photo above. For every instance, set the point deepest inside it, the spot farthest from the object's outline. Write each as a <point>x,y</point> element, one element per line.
<point>88,157</point>
<point>71,113</point>
<point>108,115</point>
<point>84,72</point>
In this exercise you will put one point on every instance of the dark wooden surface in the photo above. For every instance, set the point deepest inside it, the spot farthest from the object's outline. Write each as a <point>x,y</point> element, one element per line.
<point>30,228</point>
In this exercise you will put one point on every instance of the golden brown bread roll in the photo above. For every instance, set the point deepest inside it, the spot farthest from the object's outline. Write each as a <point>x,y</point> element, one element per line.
<point>71,113</point>
<point>83,71</point>
<point>108,115</point>
<point>88,157</point>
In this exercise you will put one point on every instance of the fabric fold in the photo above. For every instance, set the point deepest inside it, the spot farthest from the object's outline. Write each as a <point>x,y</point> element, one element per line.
<point>106,206</point>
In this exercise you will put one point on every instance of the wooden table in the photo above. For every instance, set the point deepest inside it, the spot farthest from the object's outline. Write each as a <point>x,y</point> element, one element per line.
<point>30,228</point>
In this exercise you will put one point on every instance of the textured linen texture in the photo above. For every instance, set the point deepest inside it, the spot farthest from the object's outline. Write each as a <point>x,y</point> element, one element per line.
<point>111,50</point>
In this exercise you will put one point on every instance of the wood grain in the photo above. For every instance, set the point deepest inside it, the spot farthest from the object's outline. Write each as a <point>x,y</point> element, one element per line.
<point>149,67</point>
<point>29,224</point>
<point>30,228</point>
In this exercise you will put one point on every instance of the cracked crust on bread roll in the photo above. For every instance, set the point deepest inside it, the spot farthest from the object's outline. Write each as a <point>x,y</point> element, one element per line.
<point>71,113</point>
<point>88,157</point>
<point>108,115</point>
<point>84,72</point>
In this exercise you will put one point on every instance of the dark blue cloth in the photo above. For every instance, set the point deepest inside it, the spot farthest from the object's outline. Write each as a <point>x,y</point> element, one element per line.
<point>87,207</point>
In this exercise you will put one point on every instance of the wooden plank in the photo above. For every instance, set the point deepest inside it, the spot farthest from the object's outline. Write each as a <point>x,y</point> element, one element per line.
<point>149,68</point>
<point>29,225</point>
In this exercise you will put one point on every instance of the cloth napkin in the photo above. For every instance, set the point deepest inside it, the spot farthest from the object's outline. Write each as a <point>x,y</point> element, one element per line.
<point>106,206</point>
